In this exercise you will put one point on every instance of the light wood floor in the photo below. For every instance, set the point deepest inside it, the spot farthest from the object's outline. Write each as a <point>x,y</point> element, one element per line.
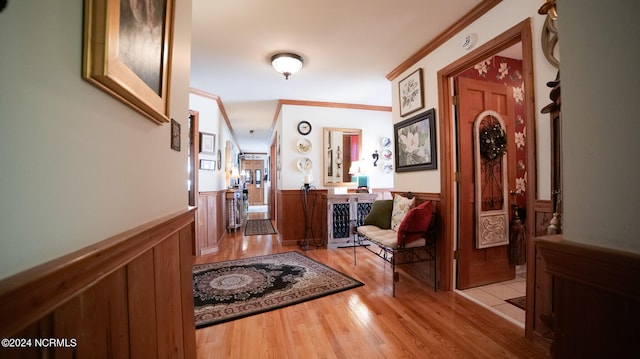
<point>365,322</point>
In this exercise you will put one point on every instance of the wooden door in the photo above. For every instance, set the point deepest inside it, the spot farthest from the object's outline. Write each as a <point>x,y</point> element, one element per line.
<point>480,266</point>
<point>255,185</point>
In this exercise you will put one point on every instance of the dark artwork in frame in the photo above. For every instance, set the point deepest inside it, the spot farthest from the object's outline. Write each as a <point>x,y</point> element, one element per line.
<point>415,141</point>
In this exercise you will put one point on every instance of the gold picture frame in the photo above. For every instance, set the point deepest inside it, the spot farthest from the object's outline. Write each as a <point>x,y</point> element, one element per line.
<point>127,52</point>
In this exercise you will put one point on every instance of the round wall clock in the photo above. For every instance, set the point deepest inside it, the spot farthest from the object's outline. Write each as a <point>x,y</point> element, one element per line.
<point>304,127</point>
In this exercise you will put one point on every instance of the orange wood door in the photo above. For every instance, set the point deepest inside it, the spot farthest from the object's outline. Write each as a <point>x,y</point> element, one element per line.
<point>255,187</point>
<point>487,265</point>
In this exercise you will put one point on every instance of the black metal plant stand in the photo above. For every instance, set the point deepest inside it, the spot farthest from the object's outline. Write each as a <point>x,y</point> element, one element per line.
<point>308,209</point>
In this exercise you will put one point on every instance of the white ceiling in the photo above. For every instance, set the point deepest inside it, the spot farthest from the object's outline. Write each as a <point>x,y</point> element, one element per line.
<point>348,46</point>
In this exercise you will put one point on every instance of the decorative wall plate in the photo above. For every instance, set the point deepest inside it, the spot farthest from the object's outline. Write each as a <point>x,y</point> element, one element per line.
<point>387,167</point>
<point>386,154</point>
<point>303,145</point>
<point>304,164</point>
<point>385,141</point>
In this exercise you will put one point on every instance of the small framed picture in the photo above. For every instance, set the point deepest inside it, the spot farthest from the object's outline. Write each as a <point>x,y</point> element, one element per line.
<point>175,135</point>
<point>411,94</point>
<point>208,165</point>
<point>207,143</point>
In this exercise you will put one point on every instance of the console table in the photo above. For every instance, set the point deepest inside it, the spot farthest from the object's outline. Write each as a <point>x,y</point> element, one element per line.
<point>344,213</point>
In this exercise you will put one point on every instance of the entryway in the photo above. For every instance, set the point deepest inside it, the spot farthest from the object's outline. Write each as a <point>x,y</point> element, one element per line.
<point>484,267</point>
<point>499,297</point>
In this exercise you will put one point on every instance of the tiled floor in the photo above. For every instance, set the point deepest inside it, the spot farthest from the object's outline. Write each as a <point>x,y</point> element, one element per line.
<point>494,296</point>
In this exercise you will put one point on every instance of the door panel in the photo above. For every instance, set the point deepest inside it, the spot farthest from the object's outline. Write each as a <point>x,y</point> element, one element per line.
<point>488,265</point>
<point>255,187</point>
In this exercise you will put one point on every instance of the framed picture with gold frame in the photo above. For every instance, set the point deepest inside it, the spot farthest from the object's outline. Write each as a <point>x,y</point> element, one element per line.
<point>127,52</point>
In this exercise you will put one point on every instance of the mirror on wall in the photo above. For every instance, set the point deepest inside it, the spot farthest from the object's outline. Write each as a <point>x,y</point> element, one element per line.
<point>341,147</point>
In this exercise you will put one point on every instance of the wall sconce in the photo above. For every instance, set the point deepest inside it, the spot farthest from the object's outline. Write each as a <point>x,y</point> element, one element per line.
<point>375,158</point>
<point>286,63</point>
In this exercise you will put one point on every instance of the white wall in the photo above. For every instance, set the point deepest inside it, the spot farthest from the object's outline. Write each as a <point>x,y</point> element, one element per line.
<point>211,121</point>
<point>499,19</point>
<point>76,165</point>
<point>600,108</point>
<point>374,125</point>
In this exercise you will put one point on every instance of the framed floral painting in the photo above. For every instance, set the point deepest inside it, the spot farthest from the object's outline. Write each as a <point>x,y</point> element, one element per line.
<point>411,94</point>
<point>416,143</point>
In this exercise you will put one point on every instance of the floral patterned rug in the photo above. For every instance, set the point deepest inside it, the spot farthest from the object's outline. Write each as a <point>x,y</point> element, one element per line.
<point>229,290</point>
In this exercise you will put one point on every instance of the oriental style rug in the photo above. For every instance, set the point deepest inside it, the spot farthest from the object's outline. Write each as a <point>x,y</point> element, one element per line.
<point>254,227</point>
<point>229,290</point>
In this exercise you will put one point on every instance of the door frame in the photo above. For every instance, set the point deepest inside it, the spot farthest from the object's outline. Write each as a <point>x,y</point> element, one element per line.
<point>518,33</point>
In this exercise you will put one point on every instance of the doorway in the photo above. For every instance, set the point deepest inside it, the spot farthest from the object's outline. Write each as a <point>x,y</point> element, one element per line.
<point>520,37</point>
<point>255,178</point>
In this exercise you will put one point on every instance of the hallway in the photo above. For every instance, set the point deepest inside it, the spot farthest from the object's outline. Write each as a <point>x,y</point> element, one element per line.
<point>365,322</point>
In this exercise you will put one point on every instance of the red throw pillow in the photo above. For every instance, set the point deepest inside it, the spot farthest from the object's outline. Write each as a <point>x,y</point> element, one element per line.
<point>415,223</point>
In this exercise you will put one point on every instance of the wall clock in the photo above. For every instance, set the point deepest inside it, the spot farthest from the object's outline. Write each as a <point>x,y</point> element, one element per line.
<point>304,127</point>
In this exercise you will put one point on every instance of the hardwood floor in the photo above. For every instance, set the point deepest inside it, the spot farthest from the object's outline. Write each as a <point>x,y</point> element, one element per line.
<point>365,322</point>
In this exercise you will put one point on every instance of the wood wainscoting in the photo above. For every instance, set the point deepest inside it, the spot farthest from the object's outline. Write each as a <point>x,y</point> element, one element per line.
<point>210,222</point>
<point>596,300</point>
<point>539,281</point>
<point>129,296</point>
<point>290,216</point>
<point>291,225</point>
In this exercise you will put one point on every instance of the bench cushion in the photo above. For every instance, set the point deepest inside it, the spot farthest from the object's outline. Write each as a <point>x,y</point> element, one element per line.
<point>401,206</point>
<point>385,237</point>
<point>380,214</point>
<point>415,223</point>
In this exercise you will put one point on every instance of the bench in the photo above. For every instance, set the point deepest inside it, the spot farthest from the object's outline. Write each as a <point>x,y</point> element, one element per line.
<point>408,238</point>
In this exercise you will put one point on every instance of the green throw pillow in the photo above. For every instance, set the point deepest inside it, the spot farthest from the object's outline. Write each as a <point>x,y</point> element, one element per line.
<point>380,214</point>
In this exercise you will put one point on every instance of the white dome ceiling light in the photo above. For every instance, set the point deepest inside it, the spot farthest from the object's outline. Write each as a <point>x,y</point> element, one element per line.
<point>286,63</point>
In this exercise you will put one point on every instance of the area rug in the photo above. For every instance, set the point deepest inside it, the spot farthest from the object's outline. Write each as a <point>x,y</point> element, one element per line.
<point>255,227</point>
<point>519,302</point>
<point>229,290</point>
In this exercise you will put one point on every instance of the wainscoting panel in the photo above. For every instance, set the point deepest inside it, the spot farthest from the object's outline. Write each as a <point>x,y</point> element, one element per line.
<point>128,296</point>
<point>210,222</point>
<point>291,217</point>
<point>539,281</point>
<point>596,300</point>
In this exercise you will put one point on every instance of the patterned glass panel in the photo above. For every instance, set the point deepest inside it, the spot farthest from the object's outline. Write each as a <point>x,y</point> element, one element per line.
<point>341,220</point>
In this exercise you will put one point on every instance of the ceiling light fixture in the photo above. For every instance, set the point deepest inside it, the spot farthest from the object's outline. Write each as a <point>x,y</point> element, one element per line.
<point>286,63</point>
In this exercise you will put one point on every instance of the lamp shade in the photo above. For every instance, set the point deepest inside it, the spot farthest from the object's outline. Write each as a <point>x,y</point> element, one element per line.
<point>286,63</point>
<point>356,168</point>
<point>234,173</point>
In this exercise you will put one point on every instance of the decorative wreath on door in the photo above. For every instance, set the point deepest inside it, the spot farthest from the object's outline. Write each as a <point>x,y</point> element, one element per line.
<point>493,141</point>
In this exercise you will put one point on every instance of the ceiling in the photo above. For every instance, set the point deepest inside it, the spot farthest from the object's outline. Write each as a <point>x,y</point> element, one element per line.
<point>348,46</point>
